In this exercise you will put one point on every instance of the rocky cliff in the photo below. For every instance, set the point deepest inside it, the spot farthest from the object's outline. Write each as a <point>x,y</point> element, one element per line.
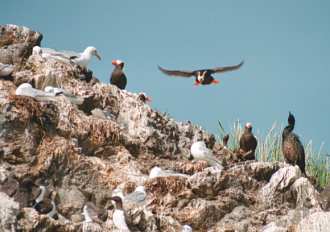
<point>112,139</point>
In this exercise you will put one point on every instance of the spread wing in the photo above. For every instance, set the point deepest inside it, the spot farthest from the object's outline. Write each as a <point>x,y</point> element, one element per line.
<point>176,72</point>
<point>226,68</point>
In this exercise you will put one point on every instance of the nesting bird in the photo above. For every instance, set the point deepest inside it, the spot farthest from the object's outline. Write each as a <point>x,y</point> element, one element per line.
<point>118,77</point>
<point>292,148</point>
<point>6,69</point>
<point>202,76</point>
<point>247,143</point>
<point>26,89</point>
<point>138,196</point>
<point>199,151</point>
<point>157,172</point>
<point>118,217</point>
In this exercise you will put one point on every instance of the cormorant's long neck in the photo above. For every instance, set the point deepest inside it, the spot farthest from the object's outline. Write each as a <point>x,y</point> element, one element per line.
<point>288,129</point>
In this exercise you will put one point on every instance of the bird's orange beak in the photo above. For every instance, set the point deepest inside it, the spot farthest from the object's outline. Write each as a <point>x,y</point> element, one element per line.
<point>215,82</point>
<point>114,62</point>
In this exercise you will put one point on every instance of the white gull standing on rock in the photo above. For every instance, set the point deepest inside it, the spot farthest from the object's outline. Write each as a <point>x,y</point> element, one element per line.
<point>81,59</point>
<point>84,58</point>
<point>118,216</point>
<point>6,69</point>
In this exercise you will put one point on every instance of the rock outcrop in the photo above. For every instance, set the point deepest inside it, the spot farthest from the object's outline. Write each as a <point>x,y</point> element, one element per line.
<point>112,139</point>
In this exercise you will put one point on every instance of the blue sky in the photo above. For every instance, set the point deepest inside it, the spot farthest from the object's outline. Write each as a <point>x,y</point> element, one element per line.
<point>285,45</point>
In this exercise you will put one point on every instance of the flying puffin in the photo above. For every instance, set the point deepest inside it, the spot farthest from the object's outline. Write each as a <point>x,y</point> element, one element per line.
<point>292,148</point>
<point>247,143</point>
<point>118,77</point>
<point>202,76</point>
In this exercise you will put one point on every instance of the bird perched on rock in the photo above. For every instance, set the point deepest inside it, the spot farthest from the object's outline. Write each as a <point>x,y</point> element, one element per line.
<point>26,89</point>
<point>6,69</point>
<point>84,58</point>
<point>293,150</point>
<point>157,172</point>
<point>247,143</point>
<point>91,222</point>
<point>118,217</point>
<point>136,197</point>
<point>144,97</point>
<point>202,76</point>
<point>199,151</point>
<point>118,77</point>
<point>225,140</point>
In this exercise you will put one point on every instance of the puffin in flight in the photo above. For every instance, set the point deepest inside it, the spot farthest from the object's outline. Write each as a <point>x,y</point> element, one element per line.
<point>202,76</point>
<point>118,77</point>
<point>292,148</point>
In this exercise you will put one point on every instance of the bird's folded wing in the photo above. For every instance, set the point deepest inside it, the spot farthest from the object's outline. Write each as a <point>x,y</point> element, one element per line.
<point>227,68</point>
<point>176,72</point>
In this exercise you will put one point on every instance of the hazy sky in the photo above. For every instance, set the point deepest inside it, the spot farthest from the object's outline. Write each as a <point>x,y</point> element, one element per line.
<point>285,45</point>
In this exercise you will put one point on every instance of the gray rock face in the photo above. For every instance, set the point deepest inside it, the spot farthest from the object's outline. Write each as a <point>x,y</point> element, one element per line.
<point>16,43</point>
<point>113,139</point>
<point>8,211</point>
<point>319,221</point>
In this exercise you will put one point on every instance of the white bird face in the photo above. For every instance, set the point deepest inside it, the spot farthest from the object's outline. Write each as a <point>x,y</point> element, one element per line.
<point>93,51</point>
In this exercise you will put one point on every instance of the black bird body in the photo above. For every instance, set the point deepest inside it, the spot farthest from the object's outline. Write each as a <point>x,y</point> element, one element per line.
<point>248,143</point>
<point>118,77</point>
<point>292,148</point>
<point>202,76</point>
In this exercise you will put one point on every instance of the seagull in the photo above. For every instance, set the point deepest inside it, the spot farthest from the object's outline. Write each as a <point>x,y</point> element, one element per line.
<point>26,89</point>
<point>91,222</point>
<point>84,58</point>
<point>186,228</point>
<point>202,76</point>
<point>199,151</point>
<point>158,172</point>
<point>54,91</point>
<point>118,77</point>
<point>247,143</point>
<point>119,215</point>
<point>6,69</point>
<point>138,196</point>
<point>81,59</point>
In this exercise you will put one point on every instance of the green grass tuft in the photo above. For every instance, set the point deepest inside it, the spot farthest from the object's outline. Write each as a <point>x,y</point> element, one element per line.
<point>270,149</point>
